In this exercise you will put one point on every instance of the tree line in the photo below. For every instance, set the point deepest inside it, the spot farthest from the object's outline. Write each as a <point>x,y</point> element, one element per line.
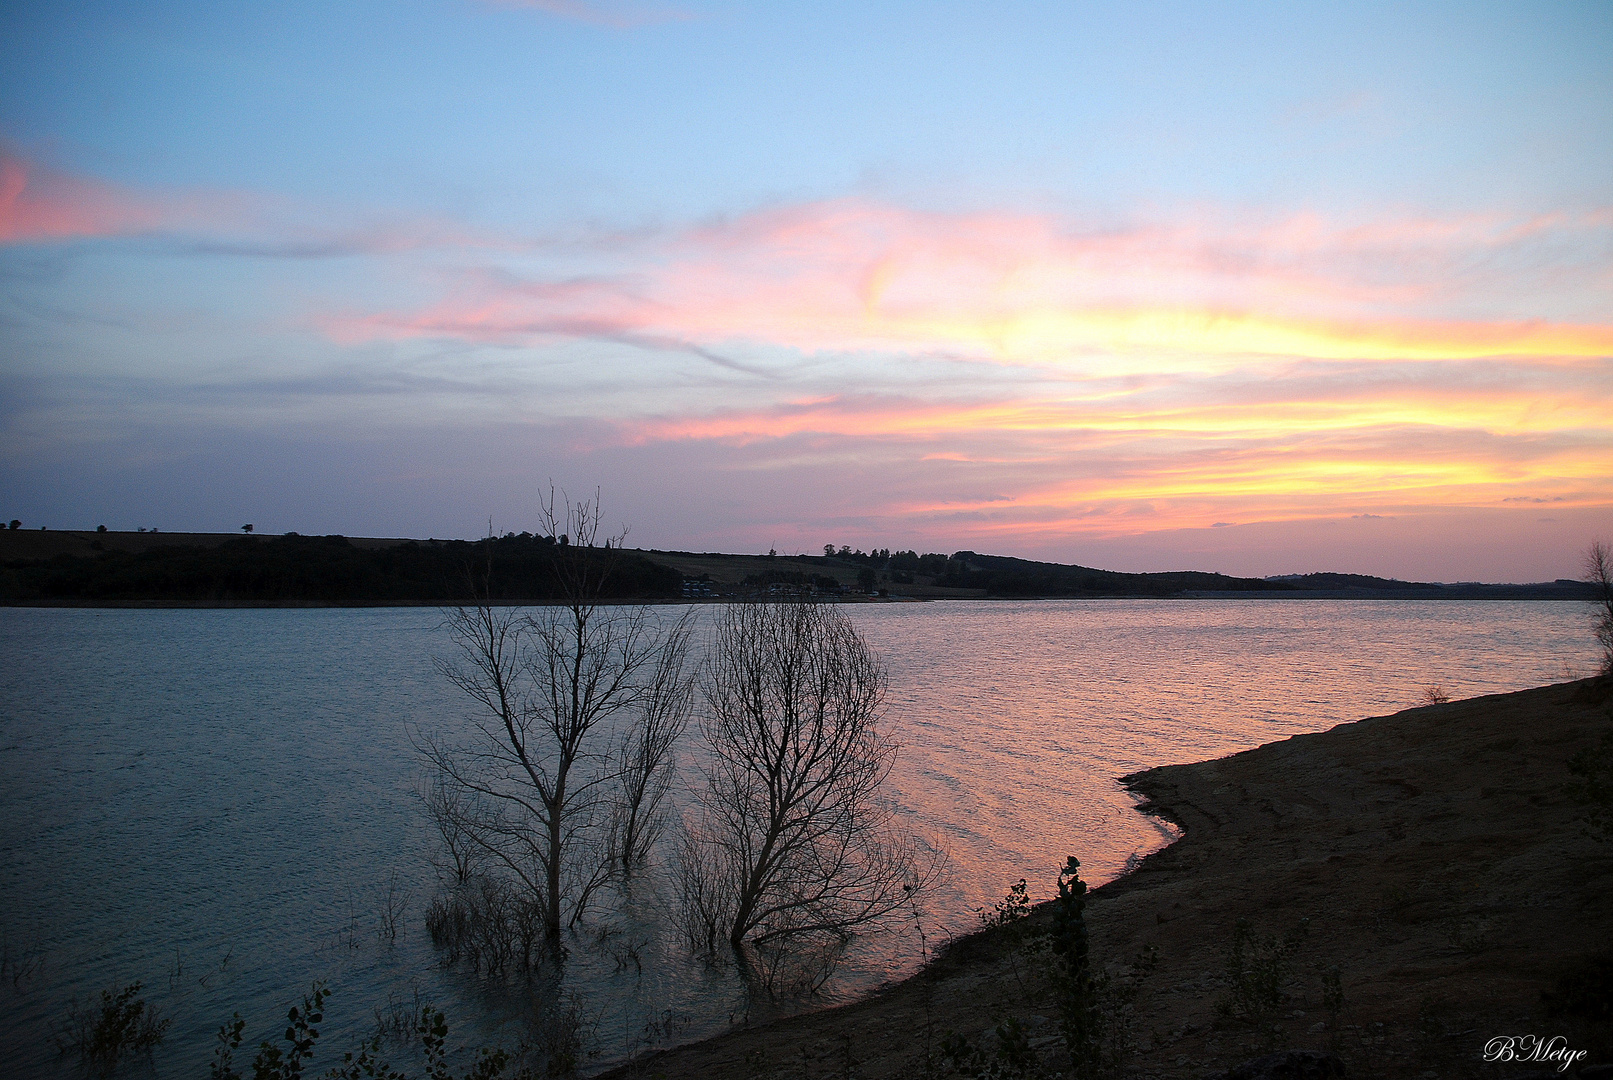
<point>999,575</point>
<point>331,570</point>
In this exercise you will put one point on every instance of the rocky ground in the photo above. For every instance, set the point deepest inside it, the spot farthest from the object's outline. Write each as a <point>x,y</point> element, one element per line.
<point>1428,865</point>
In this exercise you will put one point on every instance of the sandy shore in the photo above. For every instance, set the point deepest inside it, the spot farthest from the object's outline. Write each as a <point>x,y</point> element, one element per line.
<point>1432,856</point>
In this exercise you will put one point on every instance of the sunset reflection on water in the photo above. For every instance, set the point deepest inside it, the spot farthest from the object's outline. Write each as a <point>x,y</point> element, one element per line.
<point>212,801</point>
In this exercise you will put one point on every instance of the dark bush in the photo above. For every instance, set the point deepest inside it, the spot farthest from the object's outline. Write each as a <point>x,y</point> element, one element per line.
<point>123,1027</point>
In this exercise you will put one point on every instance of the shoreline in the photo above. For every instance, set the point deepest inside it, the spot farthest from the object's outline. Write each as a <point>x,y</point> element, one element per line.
<point>115,570</point>
<point>1429,857</point>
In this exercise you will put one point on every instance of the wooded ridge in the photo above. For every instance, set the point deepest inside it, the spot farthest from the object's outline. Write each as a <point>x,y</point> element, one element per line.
<point>121,569</point>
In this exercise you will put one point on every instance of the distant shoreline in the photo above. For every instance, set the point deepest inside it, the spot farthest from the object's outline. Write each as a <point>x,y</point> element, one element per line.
<point>83,569</point>
<point>292,605</point>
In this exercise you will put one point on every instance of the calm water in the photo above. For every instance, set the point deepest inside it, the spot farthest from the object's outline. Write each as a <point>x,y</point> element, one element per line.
<point>217,803</point>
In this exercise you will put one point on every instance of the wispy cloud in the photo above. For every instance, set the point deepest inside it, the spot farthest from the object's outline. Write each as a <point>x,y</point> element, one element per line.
<point>39,204</point>
<point>43,205</point>
<point>1043,290</point>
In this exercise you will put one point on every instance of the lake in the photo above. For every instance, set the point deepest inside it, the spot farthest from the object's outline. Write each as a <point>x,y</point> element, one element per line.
<point>222,804</point>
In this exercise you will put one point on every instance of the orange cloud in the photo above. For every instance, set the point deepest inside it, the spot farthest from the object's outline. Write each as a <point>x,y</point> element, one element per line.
<point>1101,461</point>
<point>1245,413</point>
<point>1129,489</point>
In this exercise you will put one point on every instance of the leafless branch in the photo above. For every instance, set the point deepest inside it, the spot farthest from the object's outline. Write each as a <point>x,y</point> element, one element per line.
<point>645,752</point>
<point>791,839</point>
<point>531,796</point>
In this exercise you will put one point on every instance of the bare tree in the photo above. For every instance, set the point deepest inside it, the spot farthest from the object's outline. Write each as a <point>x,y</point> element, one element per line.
<point>790,838</point>
<point>645,753</point>
<point>447,805</point>
<point>1599,572</point>
<point>532,788</point>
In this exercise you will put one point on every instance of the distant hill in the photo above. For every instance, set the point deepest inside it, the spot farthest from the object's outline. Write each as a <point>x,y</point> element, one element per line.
<point>210,570</point>
<point>970,575</point>
<point>1351,581</point>
<point>1363,587</point>
<point>1000,575</point>
<point>962,575</point>
<point>118,569</point>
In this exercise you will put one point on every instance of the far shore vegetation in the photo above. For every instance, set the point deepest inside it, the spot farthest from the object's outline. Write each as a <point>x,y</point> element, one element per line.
<point>157,569</point>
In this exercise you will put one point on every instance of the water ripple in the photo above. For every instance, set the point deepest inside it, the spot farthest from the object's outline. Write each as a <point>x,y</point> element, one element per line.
<point>213,801</point>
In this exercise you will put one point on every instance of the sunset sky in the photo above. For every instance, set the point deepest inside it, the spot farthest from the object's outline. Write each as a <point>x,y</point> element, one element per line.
<point>1253,288</point>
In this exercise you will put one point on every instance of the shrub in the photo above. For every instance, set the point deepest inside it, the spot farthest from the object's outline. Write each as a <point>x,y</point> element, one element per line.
<point>428,1025</point>
<point>1257,970</point>
<point>123,1027</point>
<point>488,923</point>
<point>1013,1058</point>
<point>1593,790</point>
<point>1010,909</point>
<point>1435,695</point>
<point>1080,1018</point>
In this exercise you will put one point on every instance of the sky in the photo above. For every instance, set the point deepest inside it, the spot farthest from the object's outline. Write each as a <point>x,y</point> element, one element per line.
<point>1250,288</point>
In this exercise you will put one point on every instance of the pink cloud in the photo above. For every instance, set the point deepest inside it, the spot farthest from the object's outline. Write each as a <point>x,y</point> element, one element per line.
<point>499,311</point>
<point>38,204</point>
<point>848,274</point>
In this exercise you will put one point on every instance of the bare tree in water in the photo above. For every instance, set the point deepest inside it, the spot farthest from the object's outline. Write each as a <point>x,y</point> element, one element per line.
<point>645,754</point>
<point>536,788</point>
<point>789,838</point>
<point>447,804</point>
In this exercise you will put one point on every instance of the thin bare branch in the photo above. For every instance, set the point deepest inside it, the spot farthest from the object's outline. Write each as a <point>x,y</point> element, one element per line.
<point>535,792</point>
<point>790,839</point>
